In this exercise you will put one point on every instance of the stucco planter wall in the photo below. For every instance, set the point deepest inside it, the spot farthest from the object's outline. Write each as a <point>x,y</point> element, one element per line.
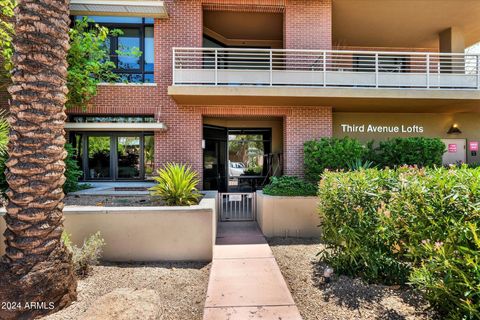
<point>288,216</point>
<point>145,233</point>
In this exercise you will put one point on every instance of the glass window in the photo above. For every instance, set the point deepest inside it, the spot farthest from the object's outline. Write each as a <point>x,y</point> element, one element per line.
<point>117,119</point>
<point>128,157</point>
<point>128,43</point>
<point>149,57</point>
<point>133,50</point>
<point>149,157</point>
<point>121,20</point>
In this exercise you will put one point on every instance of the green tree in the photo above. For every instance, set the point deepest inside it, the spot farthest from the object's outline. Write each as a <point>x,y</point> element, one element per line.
<point>88,57</point>
<point>88,62</point>
<point>36,265</point>
<point>6,36</point>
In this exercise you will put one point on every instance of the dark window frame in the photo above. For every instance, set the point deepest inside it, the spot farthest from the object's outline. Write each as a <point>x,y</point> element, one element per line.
<point>114,46</point>
<point>113,152</point>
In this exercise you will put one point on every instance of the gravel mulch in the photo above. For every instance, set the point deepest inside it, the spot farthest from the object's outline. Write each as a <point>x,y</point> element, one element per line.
<point>344,297</point>
<point>182,287</point>
<point>112,201</point>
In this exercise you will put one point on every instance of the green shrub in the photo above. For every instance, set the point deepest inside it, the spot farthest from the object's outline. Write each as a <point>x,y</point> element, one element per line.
<point>88,255</point>
<point>176,185</point>
<point>358,164</point>
<point>420,151</point>
<point>351,207</point>
<point>351,154</point>
<point>437,215</point>
<point>330,153</point>
<point>289,186</point>
<point>72,171</point>
<point>409,224</point>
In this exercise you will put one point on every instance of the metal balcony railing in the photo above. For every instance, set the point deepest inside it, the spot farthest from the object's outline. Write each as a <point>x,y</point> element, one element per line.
<point>325,68</point>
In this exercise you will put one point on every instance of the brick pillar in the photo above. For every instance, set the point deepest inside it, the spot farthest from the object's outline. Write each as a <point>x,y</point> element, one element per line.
<point>300,125</point>
<point>308,24</point>
<point>182,142</point>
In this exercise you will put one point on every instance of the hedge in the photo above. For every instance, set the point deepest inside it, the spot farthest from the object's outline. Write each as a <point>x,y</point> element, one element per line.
<point>420,151</point>
<point>420,226</point>
<point>330,153</point>
<point>289,186</point>
<point>344,153</point>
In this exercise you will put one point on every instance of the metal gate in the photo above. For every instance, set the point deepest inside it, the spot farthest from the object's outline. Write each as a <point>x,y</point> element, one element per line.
<point>237,206</point>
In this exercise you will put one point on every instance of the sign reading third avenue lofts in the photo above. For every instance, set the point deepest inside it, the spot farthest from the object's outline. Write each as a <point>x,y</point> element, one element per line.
<point>371,128</point>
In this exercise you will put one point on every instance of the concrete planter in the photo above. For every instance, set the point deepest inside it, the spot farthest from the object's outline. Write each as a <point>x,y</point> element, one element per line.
<point>146,233</point>
<point>288,216</point>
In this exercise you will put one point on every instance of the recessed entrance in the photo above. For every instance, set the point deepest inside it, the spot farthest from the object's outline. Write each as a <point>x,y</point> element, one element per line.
<point>241,159</point>
<point>114,156</point>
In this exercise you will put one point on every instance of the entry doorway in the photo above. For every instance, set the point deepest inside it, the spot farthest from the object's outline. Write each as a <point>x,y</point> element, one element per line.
<point>456,151</point>
<point>234,159</point>
<point>120,156</point>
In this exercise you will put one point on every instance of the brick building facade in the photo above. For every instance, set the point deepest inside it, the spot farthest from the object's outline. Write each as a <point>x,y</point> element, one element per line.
<point>306,104</point>
<point>182,141</point>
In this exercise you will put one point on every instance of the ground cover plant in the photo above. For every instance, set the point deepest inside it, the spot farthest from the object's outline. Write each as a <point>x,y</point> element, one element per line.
<point>407,225</point>
<point>289,186</point>
<point>87,255</point>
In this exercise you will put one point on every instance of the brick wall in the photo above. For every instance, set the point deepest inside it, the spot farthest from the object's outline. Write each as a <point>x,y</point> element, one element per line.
<point>123,99</point>
<point>308,24</point>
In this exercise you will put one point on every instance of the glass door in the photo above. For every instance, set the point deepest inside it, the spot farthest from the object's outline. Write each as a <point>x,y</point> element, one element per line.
<point>129,157</point>
<point>246,150</point>
<point>98,158</point>
<point>114,156</point>
<point>215,158</point>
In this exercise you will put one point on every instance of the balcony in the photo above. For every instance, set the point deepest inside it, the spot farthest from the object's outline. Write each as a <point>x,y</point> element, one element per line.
<point>315,76</point>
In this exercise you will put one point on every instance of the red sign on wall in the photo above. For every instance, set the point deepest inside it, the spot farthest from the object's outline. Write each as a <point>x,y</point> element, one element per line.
<point>473,146</point>
<point>452,148</point>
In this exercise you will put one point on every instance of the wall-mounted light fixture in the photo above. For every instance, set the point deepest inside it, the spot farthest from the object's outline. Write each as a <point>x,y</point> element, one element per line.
<point>454,129</point>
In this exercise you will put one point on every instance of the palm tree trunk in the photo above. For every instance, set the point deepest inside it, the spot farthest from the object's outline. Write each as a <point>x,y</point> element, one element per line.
<point>37,266</point>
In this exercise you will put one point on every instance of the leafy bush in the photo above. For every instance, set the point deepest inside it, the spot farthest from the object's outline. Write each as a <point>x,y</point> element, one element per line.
<point>352,205</point>
<point>88,255</point>
<point>72,171</point>
<point>330,153</point>
<point>419,151</point>
<point>409,224</point>
<point>289,186</point>
<point>253,171</point>
<point>350,154</point>
<point>176,185</point>
<point>88,62</point>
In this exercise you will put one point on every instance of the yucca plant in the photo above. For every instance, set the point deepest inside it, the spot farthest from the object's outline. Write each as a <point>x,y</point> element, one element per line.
<point>176,185</point>
<point>358,164</point>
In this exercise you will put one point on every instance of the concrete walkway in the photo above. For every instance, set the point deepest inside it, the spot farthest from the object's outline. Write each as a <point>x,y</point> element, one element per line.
<point>245,281</point>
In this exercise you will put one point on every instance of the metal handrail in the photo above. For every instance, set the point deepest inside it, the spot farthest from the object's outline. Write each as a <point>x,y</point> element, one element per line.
<point>325,68</point>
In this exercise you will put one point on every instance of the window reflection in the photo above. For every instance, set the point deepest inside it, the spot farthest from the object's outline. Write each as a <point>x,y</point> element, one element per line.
<point>133,50</point>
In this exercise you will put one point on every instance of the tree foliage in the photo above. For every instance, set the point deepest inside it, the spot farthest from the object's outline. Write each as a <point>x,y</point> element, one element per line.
<point>6,36</point>
<point>88,57</point>
<point>88,62</point>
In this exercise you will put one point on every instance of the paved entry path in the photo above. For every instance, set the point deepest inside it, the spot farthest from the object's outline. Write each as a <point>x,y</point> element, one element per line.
<point>245,281</point>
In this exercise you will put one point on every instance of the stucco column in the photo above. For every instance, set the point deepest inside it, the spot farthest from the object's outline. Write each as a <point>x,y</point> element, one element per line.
<point>452,40</point>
